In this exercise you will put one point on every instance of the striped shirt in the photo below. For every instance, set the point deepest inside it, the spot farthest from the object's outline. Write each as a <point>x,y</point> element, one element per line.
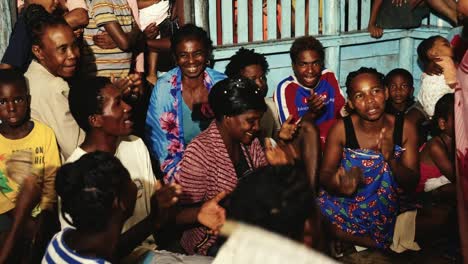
<point>291,99</point>
<point>58,252</point>
<point>104,62</point>
<point>205,170</point>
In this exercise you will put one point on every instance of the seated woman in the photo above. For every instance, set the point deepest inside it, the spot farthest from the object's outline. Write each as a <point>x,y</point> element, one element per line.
<point>99,195</point>
<point>437,156</point>
<point>226,151</point>
<point>178,109</point>
<point>367,156</point>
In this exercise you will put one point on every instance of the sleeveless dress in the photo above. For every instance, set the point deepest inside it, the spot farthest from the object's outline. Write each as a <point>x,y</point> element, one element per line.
<point>373,209</point>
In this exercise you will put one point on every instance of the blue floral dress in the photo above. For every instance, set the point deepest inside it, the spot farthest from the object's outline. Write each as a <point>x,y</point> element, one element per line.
<point>165,122</point>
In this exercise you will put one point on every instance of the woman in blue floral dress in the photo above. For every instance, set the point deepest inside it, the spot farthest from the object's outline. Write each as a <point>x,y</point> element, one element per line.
<point>367,156</point>
<point>178,109</point>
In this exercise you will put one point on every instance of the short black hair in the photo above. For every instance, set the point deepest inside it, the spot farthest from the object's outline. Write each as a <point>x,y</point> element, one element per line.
<point>190,31</point>
<point>38,20</point>
<point>243,58</point>
<point>13,77</point>
<point>349,79</point>
<point>277,198</point>
<point>234,96</point>
<point>424,47</point>
<point>306,43</point>
<point>443,108</point>
<point>85,99</point>
<point>399,71</point>
<point>88,187</point>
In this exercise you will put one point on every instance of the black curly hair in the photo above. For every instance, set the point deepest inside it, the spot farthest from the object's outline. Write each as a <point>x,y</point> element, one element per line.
<point>234,96</point>
<point>13,77</point>
<point>190,31</point>
<point>349,79</point>
<point>38,20</point>
<point>277,198</point>
<point>88,187</point>
<point>243,58</point>
<point>306,43</point>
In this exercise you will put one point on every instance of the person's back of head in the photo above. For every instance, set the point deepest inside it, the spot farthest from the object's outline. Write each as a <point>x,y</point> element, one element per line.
<point>278,199</point>
<point>88,189</point>
<point>243,58</point>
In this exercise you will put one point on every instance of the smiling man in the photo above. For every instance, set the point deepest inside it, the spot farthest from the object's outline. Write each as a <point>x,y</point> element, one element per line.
<point>312,89</point>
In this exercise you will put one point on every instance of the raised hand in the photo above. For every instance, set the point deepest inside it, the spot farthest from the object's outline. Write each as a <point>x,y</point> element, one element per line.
<point>130,85</point>
<point>348,181</point>
<point>279,153</point>
<point>211,214</point>
<point>433,68</point>
<point>375,31</point>
<point>316,104</point>
<point>104,41</point>
<point>385,144</point>
<point>288,129</point>
<point>151,31</point>
<point>449,69</point>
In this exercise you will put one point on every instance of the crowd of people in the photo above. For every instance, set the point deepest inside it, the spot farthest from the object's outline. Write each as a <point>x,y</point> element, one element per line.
<point>97,164</point>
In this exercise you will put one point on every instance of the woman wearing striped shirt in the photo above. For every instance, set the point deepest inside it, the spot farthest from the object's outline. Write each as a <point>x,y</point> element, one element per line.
<point>226,151</point>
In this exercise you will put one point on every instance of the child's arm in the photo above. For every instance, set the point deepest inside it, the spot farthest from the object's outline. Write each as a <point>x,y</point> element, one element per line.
<point>375,31</point>
<point>77,18</point>
<point>438,154</point>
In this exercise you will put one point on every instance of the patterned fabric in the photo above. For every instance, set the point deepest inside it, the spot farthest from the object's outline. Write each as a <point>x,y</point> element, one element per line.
<point>104,62</point>
<point>291,99</point>
<point>373,209</point>
<point>164,120</point>
<point>205,171</point>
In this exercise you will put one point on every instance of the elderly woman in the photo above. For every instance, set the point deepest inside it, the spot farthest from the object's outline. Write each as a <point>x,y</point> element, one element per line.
<point>56,56</point>
<point>178,109</point>
<point>225,152</point>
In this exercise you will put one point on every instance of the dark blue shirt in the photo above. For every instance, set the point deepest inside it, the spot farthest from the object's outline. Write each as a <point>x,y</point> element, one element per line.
<point>18,53</point>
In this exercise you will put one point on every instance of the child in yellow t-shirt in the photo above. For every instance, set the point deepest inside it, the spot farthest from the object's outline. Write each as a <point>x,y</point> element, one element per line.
<point>19,133</point>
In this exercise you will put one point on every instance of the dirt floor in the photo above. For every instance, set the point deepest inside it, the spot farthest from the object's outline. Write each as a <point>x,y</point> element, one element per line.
<point>434,254</point>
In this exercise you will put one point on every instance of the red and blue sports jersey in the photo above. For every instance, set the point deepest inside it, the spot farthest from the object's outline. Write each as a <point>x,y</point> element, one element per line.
<point>291,99</point>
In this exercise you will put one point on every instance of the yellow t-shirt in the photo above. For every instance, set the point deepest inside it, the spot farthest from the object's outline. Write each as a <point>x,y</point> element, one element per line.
<point>46,160</point>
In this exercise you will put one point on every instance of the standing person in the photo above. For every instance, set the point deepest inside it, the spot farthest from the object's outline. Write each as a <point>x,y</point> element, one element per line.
<point>21,199</point>
<point>178,109</point>
<point>56,58</point>
<point>367,155</point>
<point>312,89</point>
<point>222,154</point>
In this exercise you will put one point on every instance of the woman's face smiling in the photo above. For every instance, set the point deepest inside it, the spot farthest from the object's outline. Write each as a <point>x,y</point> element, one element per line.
<point>191,57</point>
<point>368,96</point>
<point>244,127</point>
<point>115,116</point>
<point>58,51</point>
